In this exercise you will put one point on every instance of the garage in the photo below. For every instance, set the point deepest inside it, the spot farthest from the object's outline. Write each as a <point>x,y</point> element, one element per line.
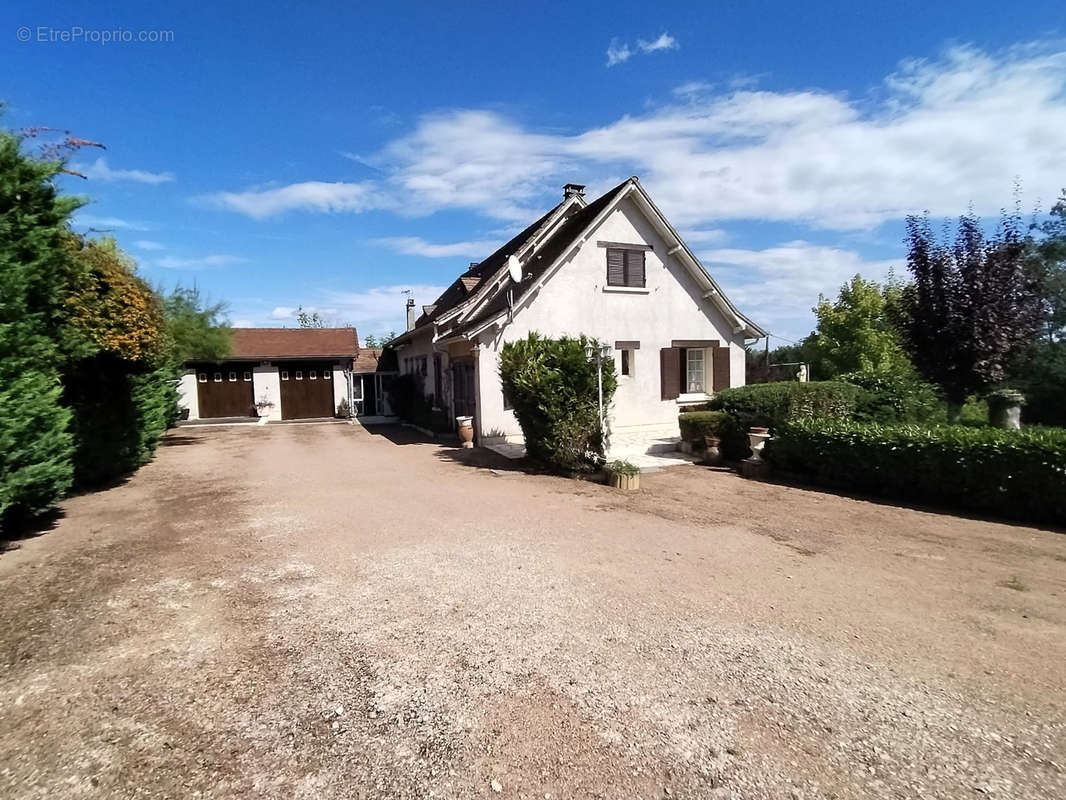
<point>225,390</point>
<point>306,389</point>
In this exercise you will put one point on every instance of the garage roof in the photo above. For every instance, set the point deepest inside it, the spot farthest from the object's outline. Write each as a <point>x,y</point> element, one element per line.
<point>268,343</point>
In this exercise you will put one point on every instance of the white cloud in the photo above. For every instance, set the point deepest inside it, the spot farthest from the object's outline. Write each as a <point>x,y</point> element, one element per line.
<point>99,170</point>
<point>283,312</point>
<point>243,322</point>
<point>619,52</point>
<point>417,246</point>
<point>107,223</point>
<point>145,244</point>
<point>935,135</point>
<point>707,236</point>
<point>307,196</point>
<point>199,262</point>
<point>778,286</point>
<point>379,309</point>
<point>664,42</point>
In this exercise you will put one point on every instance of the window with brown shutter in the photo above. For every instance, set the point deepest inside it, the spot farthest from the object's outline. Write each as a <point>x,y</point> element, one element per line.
<point>625,267</point>
<point>670,372</point>
<point>720,367</point>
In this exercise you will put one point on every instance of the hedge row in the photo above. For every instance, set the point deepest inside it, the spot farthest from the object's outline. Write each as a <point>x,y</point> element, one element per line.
<point>771,404</point>
<point>1016,474</point>
<point>697,424</point>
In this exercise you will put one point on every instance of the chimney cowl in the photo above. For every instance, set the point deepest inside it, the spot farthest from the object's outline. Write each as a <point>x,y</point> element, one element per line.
<point>573,190</point>
<point>411,314</point>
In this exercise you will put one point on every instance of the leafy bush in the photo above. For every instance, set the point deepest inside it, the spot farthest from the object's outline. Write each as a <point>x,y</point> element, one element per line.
<point>771,404</point>
<point>1019,474</point>
<point>407,399</point>
<point>552,387</point>
<point>697,424</point>
<point>895,397</point>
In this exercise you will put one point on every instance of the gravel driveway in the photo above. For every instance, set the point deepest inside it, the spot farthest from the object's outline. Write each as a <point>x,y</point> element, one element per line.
<point>314,611</point>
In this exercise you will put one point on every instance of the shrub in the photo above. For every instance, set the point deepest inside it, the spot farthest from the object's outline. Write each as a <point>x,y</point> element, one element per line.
<point>552,387</point>
<point>407,399</point>
<point>895,397</point>
<point>1019,474</point>
<point>697,424</point>
<point>771,404</point>
<point>623,468</point>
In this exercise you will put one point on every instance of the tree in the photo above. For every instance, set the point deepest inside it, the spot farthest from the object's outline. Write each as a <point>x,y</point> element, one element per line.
<point>309,319</point>
<point>36,271</point>
<point>854,333</point>
<point>370,341</point>
<point>974,305</point>
<point>198,329</point>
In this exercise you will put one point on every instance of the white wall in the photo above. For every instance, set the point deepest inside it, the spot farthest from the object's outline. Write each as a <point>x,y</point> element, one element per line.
<point>266,387</point>
<point>188,395</point>
<point>340,386</point>
<point>574,301</point>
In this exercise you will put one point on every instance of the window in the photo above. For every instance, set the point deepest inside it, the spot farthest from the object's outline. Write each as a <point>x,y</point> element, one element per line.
<point>625,267</point>
<point>233,377</point>
<point>438,382</point>
<point>247,376</point>
<point>422,366</point>
<point>626,367</point>
<point>327,374</point>
<point>202,377</point>
<point>694,372</point>
<point>284,374</point>
<point>218,377</point>
<point>311,375</point>
<point>299,375</point>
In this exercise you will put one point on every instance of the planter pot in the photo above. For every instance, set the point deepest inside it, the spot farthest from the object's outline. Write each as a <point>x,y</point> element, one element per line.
<point>686,447</point>
<point>620,481</point>
<point>712,455</point>
<point>466,431</point>
<point>757,441</point>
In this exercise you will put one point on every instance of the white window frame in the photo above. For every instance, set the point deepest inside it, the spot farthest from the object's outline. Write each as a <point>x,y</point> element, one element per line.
<point>201,377</point>
<point>232,377</point>
<point>299,374</point>
<point>692,386</point>
<point>218,377</point>
<point>284,374</point>
<point>312,374</point>
<point>630,355</point>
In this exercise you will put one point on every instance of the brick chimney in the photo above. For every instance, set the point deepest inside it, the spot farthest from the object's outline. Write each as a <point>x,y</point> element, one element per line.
<point>573,190</point>
<point>410,313</point>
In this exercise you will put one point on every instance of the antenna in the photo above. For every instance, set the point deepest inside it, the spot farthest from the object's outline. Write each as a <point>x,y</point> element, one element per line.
<point>514,268</point>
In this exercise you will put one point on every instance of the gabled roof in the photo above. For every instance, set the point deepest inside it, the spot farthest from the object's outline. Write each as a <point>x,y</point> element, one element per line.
<point>367,360</point>
<point>270,343</point>
<point>487,306</point>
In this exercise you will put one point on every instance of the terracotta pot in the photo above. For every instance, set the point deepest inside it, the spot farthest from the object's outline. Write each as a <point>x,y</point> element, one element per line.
<point>712,455</point>
<point>466,431</point>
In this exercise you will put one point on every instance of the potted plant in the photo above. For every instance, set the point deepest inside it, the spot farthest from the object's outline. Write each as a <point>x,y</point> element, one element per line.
<point>623,475</point>
<point>712,454</point>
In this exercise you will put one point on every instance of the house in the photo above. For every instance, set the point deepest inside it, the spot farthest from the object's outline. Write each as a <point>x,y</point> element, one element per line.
<point>615,269</point>
<point>278,374</point>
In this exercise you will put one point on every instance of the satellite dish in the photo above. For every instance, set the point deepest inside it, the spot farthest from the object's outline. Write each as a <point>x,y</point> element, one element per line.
<point>514,268</point>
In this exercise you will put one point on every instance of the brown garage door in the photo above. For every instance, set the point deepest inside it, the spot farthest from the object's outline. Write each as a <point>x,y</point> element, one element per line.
<point>225,390</point>
<point>306,389</point>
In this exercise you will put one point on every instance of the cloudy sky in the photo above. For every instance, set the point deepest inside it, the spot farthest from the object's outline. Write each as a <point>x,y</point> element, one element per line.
<point>278,155</point>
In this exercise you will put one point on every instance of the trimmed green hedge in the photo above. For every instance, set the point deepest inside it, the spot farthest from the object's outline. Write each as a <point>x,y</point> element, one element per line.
<point>697,424</point>
<point>890,397</point>
<point>771,404</point>
<point>1017,474</point>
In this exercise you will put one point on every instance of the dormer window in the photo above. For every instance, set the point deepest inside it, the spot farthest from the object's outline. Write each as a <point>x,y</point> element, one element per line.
<point>625,267</point>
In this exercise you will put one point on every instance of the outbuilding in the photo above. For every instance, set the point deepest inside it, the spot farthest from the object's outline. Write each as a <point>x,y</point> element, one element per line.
<point>275,374</point>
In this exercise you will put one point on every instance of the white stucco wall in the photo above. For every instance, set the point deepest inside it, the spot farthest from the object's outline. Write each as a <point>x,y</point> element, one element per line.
<point>266,387</point>
<point>188,396</point>
<point>340,386</point>
<point>574,301</point>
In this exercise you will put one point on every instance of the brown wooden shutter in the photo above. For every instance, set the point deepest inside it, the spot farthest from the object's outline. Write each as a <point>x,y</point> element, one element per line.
<point>616,267</point>
<point>720,367</point>
<point>634,268</point>
<point>670,372</point>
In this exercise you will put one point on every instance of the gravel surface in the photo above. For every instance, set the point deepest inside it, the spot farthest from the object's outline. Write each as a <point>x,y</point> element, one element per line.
<point>315,611</point>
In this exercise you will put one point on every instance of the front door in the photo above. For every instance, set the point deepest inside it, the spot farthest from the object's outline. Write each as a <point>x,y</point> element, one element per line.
<point>306,389</point>
<point>463,387</point>
<point>225,390</point>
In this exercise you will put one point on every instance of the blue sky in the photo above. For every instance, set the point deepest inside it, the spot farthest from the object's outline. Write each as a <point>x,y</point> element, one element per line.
<point>279,154</point>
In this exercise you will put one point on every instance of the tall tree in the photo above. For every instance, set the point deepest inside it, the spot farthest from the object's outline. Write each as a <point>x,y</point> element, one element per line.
<point>197,328</point>
<point>854,333</point>
<point>975,304</point>
<point>309,319</point>
<point>36,271</point>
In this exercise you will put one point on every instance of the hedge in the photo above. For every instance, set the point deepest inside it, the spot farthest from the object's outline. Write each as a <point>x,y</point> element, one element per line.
<point>1017,474</point>
<point>891,397</point>
<point>697,424</point>
<point>771,404</point>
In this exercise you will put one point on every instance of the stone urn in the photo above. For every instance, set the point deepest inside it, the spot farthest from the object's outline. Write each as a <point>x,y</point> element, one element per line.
<point>466,431</point>
<point>712,455</point>
<point>757,441</point>
<point>1005,409</point>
